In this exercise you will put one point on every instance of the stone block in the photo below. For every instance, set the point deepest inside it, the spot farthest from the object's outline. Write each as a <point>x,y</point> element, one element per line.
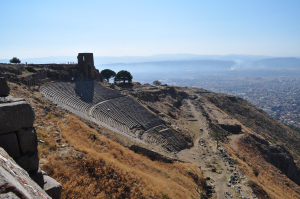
<point>29,162</point>
<point>4,89</point>
<point>52,187</point>
<point>27,140</point>
<point>15,116</point>
<point>38,177</point>
<point>9,143</point>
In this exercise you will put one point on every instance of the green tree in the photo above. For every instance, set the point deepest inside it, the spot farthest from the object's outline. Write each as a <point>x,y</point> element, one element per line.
<point>157,83</point>
<point>123,75</point>
<point>15,60</point>
<point>107,74</point>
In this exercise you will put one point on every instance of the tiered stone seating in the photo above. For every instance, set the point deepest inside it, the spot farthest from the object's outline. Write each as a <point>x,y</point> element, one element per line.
<point>174,139</point>
<point>137,112</point>
<point>111,109</point>
<point>170,139</point>
<point>59,94</point>
<point>107,109</point>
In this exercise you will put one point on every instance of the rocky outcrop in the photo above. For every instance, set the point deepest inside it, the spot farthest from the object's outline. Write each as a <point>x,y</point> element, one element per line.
<point>280,157</point>
<point>18,138</point>
<point>260,153</point>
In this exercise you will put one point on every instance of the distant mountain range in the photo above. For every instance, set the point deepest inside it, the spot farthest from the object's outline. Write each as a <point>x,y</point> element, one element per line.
<point>288,63</point>
<point>138,59</point>
<point>180,62</point>
<point>207,65</point>
<point>171,66</point>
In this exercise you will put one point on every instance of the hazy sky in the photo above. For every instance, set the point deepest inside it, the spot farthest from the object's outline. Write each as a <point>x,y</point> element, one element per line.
<point>40,28</point>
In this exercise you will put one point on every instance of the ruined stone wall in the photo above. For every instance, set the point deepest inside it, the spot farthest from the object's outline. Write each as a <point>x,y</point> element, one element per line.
<point>37,74</point>
<point>86,64</point>
<point>18,138</point>
<point>151,154</point>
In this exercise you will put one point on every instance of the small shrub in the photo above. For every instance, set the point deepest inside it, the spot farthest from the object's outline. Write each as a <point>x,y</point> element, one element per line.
<point>165,196</point>
<point>287,184</point>
<point>255,171</point>
<point>244,159</point>
<point>93,137</point>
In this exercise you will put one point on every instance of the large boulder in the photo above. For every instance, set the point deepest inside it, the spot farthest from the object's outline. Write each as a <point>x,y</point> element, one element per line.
<point>15,116</point>
<point>4,89</point>
<point>15,181</point>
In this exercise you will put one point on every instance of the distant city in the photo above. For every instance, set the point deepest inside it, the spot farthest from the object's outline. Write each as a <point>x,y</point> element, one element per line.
<point>279,96</point>
<point>277,93</point>
<point>270,83</point>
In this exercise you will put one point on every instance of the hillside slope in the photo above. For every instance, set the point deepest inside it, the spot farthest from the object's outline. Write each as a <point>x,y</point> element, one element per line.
<point>255,141</point>
<point>94,162</point>
<point>259,121</point>
<point>87,161</point>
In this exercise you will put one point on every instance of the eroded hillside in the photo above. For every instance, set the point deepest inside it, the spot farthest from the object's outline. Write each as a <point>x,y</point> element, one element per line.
<point>92,161</point>
<point>263,149</point>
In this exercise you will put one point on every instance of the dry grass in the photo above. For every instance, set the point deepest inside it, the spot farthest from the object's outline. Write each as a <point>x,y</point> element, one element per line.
<point>108,170</point>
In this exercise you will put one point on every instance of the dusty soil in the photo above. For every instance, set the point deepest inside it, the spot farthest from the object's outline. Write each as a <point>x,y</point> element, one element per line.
<point>205,154</point>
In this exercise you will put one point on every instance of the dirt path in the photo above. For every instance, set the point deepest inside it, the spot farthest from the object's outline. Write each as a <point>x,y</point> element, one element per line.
<point>209,148</point>
<point>205,154</point>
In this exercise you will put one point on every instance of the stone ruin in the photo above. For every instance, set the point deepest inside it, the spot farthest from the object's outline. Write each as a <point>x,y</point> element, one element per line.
<point>20,162</point>
<point>86,65</point>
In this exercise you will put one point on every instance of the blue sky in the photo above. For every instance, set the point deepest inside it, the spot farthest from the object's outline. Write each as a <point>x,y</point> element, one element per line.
<point>34,28</point>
